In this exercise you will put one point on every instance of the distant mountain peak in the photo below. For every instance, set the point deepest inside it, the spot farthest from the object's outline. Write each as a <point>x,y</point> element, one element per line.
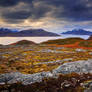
<point>25,33</point>
<point>78,29</point>
<point>78,32</point>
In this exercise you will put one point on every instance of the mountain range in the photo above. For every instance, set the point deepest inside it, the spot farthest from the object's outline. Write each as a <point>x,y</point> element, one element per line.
<point>78,32</point>
<point>5,32</point>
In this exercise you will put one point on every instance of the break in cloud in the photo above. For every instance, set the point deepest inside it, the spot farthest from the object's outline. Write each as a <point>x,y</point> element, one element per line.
<point>53,15</point>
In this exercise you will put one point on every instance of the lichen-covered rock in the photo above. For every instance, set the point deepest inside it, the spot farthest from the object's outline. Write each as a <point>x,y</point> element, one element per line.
<point>24,78</point>
<point>77,67</point>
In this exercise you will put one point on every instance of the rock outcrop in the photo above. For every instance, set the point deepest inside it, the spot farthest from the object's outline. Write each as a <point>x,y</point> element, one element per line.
<point>77,67</point>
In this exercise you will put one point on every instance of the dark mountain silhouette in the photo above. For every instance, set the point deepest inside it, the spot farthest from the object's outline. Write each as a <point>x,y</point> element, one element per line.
<point>5,31</point>
<point>25,33</point>
<point>35,32</point>
<point>78,32</point>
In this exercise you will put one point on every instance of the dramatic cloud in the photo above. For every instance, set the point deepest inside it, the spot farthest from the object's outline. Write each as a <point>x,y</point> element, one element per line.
<point>9,3</point>
<point>49,14</point>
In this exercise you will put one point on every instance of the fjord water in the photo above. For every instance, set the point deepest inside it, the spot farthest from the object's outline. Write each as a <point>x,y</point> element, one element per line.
<point>10,40</point>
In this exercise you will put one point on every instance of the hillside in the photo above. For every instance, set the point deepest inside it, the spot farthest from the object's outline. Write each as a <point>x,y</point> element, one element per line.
<point>90,38</point>
<point>25,33</point>
<point>44,67</point>
<point>86,43</point>
<point>64,41</point>
<point>78,32</point>
<point>72,42</point>
<point>24,42</point>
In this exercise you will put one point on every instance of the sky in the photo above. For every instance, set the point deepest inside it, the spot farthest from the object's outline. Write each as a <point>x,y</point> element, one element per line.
<point>52,15</point>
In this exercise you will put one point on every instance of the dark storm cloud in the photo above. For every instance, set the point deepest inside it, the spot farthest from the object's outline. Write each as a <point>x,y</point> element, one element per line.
<point>79,11</point>
<point>74,10</point>
<point>17,15</point>
<point>31,11</point>
<point>7,3</point>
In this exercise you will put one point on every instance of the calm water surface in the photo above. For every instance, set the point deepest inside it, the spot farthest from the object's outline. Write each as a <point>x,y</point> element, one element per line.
<point>9,40</point>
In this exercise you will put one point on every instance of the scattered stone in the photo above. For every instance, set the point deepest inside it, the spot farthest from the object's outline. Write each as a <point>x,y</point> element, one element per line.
<point>80,50</point>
